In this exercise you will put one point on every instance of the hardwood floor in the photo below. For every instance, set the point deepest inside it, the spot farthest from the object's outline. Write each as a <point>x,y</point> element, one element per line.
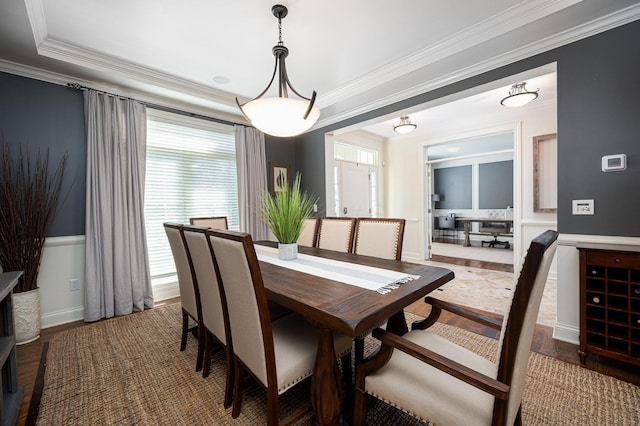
<point>28,356</point>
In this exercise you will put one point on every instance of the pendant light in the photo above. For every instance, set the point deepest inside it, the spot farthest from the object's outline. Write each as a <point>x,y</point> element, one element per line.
<point>281,116</point>
<point>405,125</point>
<point>519,96</point>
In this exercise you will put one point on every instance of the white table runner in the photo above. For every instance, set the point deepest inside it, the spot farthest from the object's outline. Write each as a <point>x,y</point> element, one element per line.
<point>362,276</point>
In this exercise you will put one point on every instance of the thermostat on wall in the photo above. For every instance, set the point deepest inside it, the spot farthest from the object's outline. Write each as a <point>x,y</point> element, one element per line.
<point>614,163</point>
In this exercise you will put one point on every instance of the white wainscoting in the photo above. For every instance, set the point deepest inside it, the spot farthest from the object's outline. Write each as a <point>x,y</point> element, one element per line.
<point>63,260</point>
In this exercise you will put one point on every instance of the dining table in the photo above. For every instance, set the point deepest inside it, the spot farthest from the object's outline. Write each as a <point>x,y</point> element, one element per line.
<point>332,305</point>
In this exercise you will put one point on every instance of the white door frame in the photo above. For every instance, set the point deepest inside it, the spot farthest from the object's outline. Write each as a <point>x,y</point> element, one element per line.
<point>425,200</point>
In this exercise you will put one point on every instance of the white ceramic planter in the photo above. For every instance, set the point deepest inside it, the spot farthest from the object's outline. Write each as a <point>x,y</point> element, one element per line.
<point>26,314</point>
<point>287,251</point>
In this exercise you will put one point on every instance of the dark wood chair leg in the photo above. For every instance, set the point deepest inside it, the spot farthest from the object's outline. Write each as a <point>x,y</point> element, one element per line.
<point>273,407</point>
<point>208,349</point>
<point>231,374</point>
<point>237,391</point>
<point>359,407</point>
<point>185,331</point>
<point>201,339</point>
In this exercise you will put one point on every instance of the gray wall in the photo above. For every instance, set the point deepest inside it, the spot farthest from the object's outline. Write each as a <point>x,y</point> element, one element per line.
<point>595,117</point>
<point>598,114</point>
<point>495,185</point>
<point>35,114</point>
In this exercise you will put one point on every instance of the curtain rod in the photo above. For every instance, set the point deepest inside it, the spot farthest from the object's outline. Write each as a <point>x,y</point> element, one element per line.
<point>78,86</point>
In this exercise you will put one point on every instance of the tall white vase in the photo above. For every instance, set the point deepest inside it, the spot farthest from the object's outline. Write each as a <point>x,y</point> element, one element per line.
<point>26,314</point>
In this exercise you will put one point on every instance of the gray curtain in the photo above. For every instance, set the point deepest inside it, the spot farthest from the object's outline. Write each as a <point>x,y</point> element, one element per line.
<point>252,180</point>
<point>117,270</point>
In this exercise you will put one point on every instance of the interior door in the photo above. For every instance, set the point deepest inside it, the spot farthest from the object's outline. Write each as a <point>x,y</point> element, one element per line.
<point>356,190</point>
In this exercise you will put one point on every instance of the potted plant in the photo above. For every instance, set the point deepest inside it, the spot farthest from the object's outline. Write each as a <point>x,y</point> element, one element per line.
<point>285,214</point>
<point>29,194</point>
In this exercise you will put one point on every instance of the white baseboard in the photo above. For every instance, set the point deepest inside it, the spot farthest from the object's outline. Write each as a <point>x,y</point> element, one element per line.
<point>62,317</point>
<point>411,257</point>
<point>165,291</point>
<point>566,333</point>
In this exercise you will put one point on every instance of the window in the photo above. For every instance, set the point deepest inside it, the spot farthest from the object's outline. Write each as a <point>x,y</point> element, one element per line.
<point>191,172</point>
<point>356,182</point>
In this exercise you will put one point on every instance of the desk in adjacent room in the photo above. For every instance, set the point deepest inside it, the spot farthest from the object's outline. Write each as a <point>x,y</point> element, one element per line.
<point>467,220</point>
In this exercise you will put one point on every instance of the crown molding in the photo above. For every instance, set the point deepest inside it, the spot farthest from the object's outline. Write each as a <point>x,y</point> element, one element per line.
<point>104,63</point>
<point>589,29</point>
<point>522,14</point>
<point>52,48</point>
<point>512,18</point>
<point>142,96</point>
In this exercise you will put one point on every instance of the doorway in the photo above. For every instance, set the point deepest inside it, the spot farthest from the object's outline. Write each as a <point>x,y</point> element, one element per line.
<point>470,177</point>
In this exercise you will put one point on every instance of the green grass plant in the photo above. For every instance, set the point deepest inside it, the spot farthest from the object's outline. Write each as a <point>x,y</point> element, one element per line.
<point>286,211</point>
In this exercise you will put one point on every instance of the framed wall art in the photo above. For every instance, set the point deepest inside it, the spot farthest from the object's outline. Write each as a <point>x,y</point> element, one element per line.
<point>279,177</point>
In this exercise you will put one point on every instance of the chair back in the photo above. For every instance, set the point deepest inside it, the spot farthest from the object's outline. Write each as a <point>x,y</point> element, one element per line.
<point>379,237</point>
<point>247,304</point>
<point>519,323</point>
<point>309,233</point>
<point>495,227</point>
<point>200,252</point>
<point>336,233</point>
<point>215,222</point>
<point>186,284</point>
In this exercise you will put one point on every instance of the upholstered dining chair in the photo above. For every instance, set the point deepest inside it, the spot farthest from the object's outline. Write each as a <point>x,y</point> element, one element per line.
<point>215,222</point>
<point>278,354</point>
<point>213,308</point>
<point>309,233</point>
<point>379,237</point>
<point>188,288</point>
<point>437,381</point>
<point>336,233</point>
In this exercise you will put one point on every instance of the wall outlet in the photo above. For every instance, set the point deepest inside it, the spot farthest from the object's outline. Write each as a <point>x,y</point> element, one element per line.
<point>315,208</point>
<point>74,284</point>
<point>583,207</point>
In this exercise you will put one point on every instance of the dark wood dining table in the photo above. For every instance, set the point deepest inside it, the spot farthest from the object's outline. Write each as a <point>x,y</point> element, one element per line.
<point>333,306</point>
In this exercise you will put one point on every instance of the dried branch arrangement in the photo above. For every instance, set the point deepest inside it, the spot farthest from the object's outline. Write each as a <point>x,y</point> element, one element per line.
<point>29,194</point>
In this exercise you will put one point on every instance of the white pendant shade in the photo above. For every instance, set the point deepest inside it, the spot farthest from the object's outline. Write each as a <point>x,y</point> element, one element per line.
<point>519,96</point>
<point>282,117</point>
<point>405,125</point>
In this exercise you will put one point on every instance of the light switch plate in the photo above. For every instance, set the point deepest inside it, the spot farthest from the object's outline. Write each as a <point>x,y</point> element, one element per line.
<point>583,207</point>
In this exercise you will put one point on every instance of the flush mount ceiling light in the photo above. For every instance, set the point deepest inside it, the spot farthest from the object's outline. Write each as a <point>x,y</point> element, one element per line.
<point>405,125</point>
<point>519,95</point>
<point>281,116</point>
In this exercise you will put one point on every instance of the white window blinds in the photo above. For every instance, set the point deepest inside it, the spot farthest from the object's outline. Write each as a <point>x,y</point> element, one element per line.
<point>191,172</point>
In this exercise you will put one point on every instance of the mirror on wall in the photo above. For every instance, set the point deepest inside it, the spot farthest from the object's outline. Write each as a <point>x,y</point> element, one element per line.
<point>545,173</point>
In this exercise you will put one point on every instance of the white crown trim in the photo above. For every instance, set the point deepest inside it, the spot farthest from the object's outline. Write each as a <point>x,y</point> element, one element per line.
<point>512,18</point>
<point>597,26</point>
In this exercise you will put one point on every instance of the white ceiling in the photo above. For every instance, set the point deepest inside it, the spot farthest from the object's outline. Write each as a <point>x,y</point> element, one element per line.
<point>358,54</point>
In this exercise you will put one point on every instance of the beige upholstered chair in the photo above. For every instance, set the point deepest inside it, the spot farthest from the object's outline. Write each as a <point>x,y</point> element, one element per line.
<point>189,296</point>
<point>278,354</point>
<point>379,237</point>
<point>215,222</point>
<point>440,382</point>
<point>213,310</point>
<point>309,233</point>
<point>336,233</point>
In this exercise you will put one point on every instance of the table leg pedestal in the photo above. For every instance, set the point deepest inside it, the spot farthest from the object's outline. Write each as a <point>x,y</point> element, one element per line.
<point>467,240</point>
<point>326,382</point>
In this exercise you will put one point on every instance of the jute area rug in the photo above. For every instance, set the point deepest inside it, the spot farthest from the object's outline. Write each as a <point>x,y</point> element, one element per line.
<point>129,370</point>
